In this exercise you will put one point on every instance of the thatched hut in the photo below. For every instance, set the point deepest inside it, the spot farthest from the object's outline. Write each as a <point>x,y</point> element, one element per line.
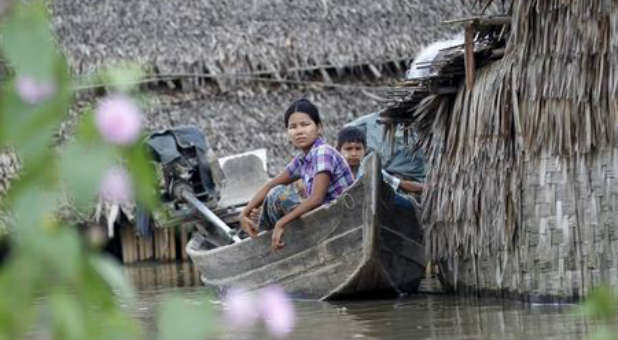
<point>523,154</point>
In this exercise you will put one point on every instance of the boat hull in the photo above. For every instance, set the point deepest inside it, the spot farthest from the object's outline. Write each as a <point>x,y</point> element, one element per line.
<point>361,243</point>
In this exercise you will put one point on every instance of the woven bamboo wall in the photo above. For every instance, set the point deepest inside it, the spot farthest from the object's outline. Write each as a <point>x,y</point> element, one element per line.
<point>568,242</point>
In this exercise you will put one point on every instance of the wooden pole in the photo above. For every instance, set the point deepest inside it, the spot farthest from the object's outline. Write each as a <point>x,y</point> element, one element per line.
<point>141,247</point>
<point>157,241</point>
<point>469,56</point>
<point>172,243</point>
<point>184,238</point>
<point>482,21</point>
<point>133,245</point>
<point>124,244</point>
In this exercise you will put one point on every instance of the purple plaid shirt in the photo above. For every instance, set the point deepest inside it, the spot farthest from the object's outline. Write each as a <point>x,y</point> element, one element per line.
<point>322,158</point>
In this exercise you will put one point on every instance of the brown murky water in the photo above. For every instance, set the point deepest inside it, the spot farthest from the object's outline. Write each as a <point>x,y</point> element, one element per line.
<point>418,317</point>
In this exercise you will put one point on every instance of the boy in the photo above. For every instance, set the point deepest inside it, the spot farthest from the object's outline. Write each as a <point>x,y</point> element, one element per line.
<point>352,144</point>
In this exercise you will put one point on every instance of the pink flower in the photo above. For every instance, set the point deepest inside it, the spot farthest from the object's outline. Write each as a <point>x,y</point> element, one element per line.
<point>116,185</point>
<point>277,311</point>
<point>118,119</point>
<point>241,308</point>
<point>33,91</point>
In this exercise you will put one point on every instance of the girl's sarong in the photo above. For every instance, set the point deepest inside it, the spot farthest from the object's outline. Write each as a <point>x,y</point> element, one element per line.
<point>279,201</point>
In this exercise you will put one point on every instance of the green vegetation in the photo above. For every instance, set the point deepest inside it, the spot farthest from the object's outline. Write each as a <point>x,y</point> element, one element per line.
<point>602,305</point>
<point>52,277</point>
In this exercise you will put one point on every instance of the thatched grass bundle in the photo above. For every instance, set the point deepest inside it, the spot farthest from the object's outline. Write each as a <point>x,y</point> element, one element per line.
<point>235,123</point>
<point>240,37</point>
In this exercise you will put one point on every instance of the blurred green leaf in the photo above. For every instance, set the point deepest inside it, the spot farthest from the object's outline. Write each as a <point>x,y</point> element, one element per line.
<point>179,319</point>
<point>116,324</point>
<point>31,208</point>
<point>92,287</point>
<point>111,273</point>
<point>123,77</point>
<point>14,325</point>
<point>143,175</point>
<point>604,333</point>
<point>27,42</point>
<point>59,253</point>
<point>67,317</point>
<point>602,303</point>
<point>87,132</point>
<point>47,259</point>
<point>82,167</point>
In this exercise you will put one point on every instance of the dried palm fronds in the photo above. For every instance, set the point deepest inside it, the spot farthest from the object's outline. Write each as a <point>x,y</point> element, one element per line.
<point>554,93</point>
<point>246,37</point>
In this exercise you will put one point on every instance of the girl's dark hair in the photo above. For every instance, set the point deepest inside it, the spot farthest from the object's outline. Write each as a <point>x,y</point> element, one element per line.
<point>351,134</point>
<point>305,106</point>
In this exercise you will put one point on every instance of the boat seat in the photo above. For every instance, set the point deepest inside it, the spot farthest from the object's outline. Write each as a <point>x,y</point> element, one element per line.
<point>243,175</point>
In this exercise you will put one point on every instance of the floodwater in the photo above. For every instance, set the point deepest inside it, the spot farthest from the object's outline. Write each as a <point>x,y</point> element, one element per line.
<point>418,316</point>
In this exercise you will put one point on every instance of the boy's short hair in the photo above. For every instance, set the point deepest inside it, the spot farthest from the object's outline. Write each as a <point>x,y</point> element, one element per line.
<point>351,134</point>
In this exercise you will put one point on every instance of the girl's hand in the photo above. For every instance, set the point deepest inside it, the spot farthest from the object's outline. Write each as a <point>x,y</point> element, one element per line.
<point>247,224</point>
<point>277,235</point>
<point>254,215</point>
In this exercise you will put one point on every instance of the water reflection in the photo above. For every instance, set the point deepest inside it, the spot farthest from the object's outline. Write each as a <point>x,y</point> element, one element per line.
<point>421,316</point>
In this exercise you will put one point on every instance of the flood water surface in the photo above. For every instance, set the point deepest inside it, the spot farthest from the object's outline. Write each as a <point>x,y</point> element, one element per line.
<point>417,316</point>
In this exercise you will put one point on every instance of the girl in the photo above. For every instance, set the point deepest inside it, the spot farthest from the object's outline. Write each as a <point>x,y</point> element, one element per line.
<point>324,173</point>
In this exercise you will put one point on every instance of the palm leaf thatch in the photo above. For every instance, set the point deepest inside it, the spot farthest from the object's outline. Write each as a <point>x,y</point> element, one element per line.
<point>553,93</point>
<point>246,37</point>
<point>247,119</point>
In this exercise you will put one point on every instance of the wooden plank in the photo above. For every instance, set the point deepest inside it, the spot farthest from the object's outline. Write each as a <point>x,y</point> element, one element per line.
<point>158,250</point>
<point>172,243</point>
<point>124,245</point>
<point>140,248</point>
<point>164,244</point>
<point>133,246</point>
<point>127,238</point>
<point>184,238</point>
<point>157,241</point>
<point>149,246</point>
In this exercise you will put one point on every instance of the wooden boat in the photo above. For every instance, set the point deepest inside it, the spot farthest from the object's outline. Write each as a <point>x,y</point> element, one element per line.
<point>360,243</point>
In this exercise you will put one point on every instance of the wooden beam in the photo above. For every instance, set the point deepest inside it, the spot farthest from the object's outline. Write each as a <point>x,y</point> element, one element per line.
<point>481,21</point>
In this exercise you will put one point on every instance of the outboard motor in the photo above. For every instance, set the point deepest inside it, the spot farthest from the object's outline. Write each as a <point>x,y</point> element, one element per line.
<point>187,176</point>
<point>183,155</point>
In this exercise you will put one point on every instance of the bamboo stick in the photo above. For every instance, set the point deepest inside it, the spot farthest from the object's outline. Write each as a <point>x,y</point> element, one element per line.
<point>172,243</point>
<point>184,239</point>
<point>124,245</point>
<point>469,56</point>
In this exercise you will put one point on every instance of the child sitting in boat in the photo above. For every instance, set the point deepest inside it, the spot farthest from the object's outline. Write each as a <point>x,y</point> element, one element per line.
<point>324,173</point>
<point>352,145</point>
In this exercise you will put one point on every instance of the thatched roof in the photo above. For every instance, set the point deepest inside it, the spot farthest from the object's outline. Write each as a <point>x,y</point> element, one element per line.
<point>238,36</point>
<point>248,119</point>
<point>555,91</point>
